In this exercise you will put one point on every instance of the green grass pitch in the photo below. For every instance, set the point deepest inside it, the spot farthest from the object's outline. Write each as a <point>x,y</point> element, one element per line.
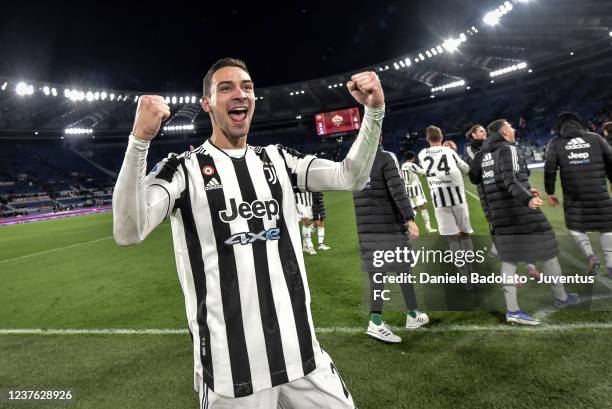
<point>69,274</point>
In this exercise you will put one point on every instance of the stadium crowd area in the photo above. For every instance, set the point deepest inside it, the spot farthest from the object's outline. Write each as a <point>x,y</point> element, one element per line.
<point>44,175</point>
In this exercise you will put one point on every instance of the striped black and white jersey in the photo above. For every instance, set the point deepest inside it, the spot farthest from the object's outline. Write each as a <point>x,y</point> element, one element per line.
<point>238,250</point>
<point>230,229</point>
<point>410,173</point>
<point>444,170</point>
<point>303,198</point>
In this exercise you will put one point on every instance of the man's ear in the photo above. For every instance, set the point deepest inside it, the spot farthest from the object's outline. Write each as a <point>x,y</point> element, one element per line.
<point>205,102</point>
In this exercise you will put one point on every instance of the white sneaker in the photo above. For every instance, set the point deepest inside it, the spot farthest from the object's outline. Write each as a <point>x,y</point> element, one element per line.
<point>310,250</point>
<point>383,333</point>
<point>418,321</point>
<point>323,247</point>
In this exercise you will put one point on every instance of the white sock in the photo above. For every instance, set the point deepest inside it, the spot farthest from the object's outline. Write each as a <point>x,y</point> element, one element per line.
<point>582,239</point>
<point>508,271</point>
<point>306,236</point>
<point>552,268</point>
<point>425,216</point>
<point>321,234</point>
<point>606,245</point>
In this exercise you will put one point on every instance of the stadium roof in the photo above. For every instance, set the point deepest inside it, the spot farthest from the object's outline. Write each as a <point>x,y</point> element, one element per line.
<point>528,39</point>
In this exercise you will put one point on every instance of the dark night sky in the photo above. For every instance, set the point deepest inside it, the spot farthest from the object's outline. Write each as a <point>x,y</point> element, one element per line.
<point>147,47</point>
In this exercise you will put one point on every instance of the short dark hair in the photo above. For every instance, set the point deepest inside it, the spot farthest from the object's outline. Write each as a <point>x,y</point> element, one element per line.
<point>608,127</point>
<point>469,133</point>
<point>433,134</point>
<point>223,62</point>
<point>496,125</point>
<point>410,155</point>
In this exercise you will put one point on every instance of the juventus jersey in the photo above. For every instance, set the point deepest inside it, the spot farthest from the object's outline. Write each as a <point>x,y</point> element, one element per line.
<point>303,198</point>
<point>444,170</point>
<point>410,173</point>
<point>230,267</point>
<point>238,250</point>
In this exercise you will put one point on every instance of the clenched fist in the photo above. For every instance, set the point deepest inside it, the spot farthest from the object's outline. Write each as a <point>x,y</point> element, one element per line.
<point>152,110</point>
<point>366,89</point>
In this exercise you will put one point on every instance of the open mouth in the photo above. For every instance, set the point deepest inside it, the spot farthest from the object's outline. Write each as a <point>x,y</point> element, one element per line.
<point>238,114</point>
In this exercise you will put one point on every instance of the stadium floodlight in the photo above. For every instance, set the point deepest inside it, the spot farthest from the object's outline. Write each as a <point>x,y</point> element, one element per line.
<point>428,54</point>
<point>173,100</point>
<point>111,96</point>
<point>444,87</point>
<point>434,51</point>
<point>172,128</point>
<point>440,49</point>
<point>421,56</point>
<point>54,92</point>
<point>298,117</point>
<point>451,45</point>
<point>180,100</point>
<point>103,95</point>
<point>402,64</point>
<point>193,99</point>
<point>492,17</point>
<point>46,90</point>
<point>78,131</point>
<point>462,37</point>
<point>24,89</point>
<point>301,92</point>
<point>90,96</point>
<point>291,93</point>
<point>610,33</point>
<point>407,62</point>
<point>396,66</point>
<point>520,66</point>
<point>97,95</point>
<point>3,87</point>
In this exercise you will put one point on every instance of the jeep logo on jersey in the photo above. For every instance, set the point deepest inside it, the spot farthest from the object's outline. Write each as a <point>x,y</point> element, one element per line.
<point>576,155</point>
<point>249,238</point>
<point>259,209</point>
<point>577,143</point>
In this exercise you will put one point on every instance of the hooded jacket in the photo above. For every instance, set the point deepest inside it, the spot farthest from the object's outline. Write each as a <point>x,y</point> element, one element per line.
<point>382,209</point>
<point>584,160</point>
<point>519,232</point>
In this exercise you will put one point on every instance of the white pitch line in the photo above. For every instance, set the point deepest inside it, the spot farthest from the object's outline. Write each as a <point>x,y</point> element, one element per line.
<point>8,260</point>
<point>321,330</point>
<point>472,194</point>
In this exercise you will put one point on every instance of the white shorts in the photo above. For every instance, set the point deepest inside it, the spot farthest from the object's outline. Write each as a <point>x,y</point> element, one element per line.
<point>304,212</point>
<point>418,200</point>
<point>323,388</point>
<point>453,220</point>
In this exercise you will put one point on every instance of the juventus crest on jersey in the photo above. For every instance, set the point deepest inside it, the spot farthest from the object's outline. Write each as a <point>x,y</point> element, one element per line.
<point>233,221</point>
<point>444,169</point>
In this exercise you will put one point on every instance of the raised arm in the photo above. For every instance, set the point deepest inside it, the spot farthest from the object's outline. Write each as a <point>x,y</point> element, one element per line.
<point>353,172</point>
<point>141,203</point>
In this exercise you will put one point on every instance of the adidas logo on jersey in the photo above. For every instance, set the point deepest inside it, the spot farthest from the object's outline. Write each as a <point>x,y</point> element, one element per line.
<point>487,160</point>
<point>577,143</point>
<point>213,184</point>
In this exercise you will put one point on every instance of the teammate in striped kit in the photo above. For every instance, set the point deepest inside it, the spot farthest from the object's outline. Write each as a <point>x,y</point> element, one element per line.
<point>237,246</point>
<point>444,170</point>
<point>411,174</point>
<point>303,204</point>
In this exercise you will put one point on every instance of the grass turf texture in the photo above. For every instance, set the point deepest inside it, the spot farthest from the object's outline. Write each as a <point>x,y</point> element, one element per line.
<point>68,273</point>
